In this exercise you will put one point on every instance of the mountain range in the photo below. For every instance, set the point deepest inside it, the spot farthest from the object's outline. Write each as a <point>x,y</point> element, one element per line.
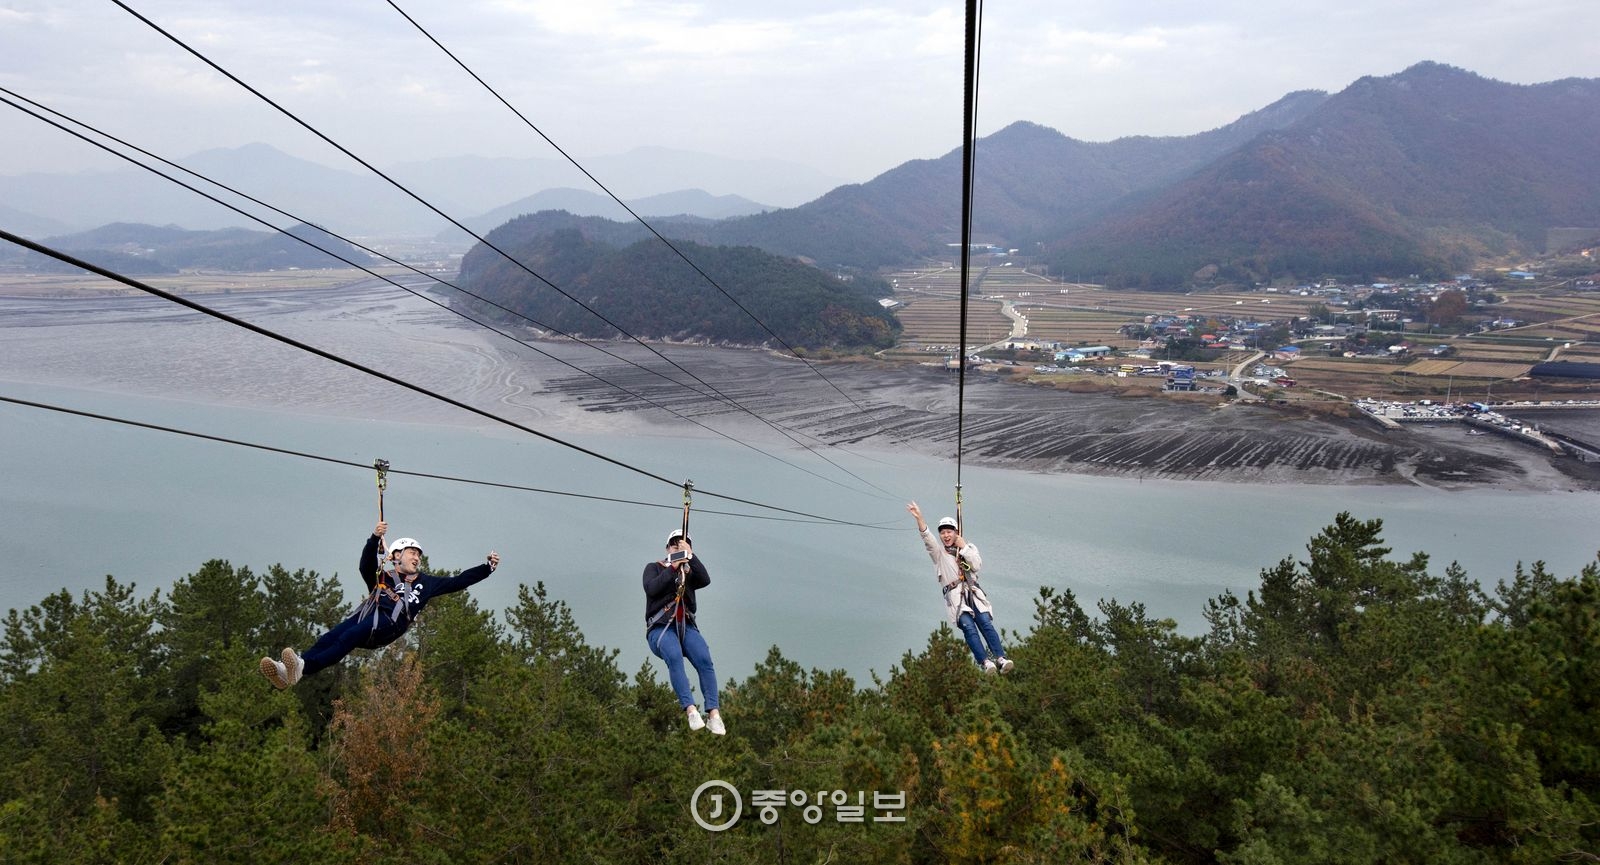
<point>135,249</point>
<point>357,203</point>
<point>1427,171</point>
<point>1424,172</point>
<point>686,205</point>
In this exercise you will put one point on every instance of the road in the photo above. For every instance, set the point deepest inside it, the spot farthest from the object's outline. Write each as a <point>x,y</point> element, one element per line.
<point>1236,377</point>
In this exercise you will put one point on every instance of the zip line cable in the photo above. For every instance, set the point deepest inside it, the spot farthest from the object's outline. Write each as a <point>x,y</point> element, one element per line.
<point>607,191</point>
<point>394,471</point>
<point>327,355</point>
<point>453,221</point>
<point>8,93</point>
<point>969,110</point>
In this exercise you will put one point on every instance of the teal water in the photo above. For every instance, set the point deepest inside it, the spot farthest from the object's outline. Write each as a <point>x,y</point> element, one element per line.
<point>82,499</point>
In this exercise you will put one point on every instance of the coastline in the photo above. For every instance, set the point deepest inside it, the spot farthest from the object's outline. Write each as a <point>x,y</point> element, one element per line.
<point>897,407</point>
<point>1048,431</point>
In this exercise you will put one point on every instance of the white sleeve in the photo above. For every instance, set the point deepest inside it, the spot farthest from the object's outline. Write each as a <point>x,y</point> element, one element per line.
<point>970,554</point>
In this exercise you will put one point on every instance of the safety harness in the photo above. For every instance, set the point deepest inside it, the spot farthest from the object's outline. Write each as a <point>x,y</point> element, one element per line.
<point>967,582</point>
<point>676,612</point>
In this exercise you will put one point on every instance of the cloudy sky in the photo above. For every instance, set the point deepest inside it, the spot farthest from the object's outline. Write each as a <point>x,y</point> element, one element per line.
<point>851,89</point>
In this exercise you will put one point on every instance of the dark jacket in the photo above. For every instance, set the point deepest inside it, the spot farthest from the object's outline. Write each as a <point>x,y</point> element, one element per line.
<point>412,595</point>
<point>661,587</point>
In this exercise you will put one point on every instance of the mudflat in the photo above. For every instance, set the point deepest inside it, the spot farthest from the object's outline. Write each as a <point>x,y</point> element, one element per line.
<point>1015,425</point>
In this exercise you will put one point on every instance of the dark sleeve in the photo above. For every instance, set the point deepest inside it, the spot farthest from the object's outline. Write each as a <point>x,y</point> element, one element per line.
<point>468,577</point>
<point>699,577</point>
<point>369,562</point>
<point>659,581</point>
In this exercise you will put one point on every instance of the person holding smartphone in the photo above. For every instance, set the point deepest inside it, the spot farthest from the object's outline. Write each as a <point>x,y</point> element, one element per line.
<point>673,634</point>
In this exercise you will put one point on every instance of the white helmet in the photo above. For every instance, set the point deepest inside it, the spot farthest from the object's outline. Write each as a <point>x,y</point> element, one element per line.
<point>676,534</point>
<point>948,523</point>
<point>403,543</point>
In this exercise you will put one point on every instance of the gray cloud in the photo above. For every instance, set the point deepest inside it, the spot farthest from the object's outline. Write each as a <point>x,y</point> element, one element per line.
<point>851,89</point>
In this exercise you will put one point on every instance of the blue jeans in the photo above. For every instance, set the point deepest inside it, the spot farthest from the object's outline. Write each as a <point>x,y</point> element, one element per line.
<point>356,632</point>
<point>984,624</point>
<point>664,644</point>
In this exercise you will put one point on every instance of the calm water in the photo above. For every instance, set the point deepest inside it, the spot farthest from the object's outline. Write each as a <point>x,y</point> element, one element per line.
<point>82,498</point>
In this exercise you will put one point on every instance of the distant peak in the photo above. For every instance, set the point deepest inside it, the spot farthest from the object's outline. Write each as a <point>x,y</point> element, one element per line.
<point>1028,127</point>
<point>255,148</point>
<point>1433,67</point>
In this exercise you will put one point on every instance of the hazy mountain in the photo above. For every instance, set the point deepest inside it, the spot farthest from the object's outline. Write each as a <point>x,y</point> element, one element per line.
<point>355,202</point>
<point>1031,181</point>
<point>1424,171</point>
<point>28,224</point>
<point>347,202</point>
<point>134,249</point>
<point>696,202</point>
<point>578,202</point>
<point>1420,172</point>
<point>475,184</point>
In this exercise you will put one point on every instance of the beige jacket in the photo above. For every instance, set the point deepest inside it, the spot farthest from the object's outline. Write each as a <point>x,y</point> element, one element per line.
<point>957,593</point>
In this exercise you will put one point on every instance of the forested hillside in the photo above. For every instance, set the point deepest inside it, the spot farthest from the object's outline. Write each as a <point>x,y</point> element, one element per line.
<point>1355,709</point>
<point>649,291</point>
<point>1425,172</point>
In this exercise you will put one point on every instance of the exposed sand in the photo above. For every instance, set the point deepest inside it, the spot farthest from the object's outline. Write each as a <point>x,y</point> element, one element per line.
<point>1042,429</point>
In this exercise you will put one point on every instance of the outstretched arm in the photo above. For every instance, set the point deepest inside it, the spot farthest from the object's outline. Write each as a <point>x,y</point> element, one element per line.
<point>929,542</point>
<point>922,525</point>
<point>470,576</point>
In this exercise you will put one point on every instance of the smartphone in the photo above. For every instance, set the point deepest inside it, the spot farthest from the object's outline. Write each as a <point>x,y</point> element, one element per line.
<point>677,556</point>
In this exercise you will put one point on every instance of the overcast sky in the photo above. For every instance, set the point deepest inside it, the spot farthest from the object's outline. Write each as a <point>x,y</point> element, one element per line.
<point>852,89</point>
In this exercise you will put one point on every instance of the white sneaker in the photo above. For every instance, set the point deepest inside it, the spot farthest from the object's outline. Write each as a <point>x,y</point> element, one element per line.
<point>714,722</point>
<point>1006,665</point>
<point>695,721</point>
<point>275,673</point>
<point>989,667</point>
<point>293,666</point>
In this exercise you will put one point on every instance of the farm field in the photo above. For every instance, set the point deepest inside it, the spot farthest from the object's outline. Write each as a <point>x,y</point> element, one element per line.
<point>1558,318</point>
<point>1466,369</point>
<point>936,320</point>
<point>1473,349</point>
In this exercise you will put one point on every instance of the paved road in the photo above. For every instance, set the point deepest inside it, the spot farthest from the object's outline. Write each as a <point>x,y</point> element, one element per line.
<point>1236,378</point>
<point>1019,322</point>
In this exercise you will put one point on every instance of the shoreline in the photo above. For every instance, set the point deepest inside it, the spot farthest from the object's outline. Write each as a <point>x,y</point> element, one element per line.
<point>1046,431</point>
<point>898,407</point>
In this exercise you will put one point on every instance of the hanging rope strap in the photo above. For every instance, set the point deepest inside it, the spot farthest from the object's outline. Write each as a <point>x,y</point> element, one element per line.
<point>969,111</point>
<point>384,576</point>
<point>382,468</point>
<point>688,489</point>
<point>678,616</point>
<point>958,507</point>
